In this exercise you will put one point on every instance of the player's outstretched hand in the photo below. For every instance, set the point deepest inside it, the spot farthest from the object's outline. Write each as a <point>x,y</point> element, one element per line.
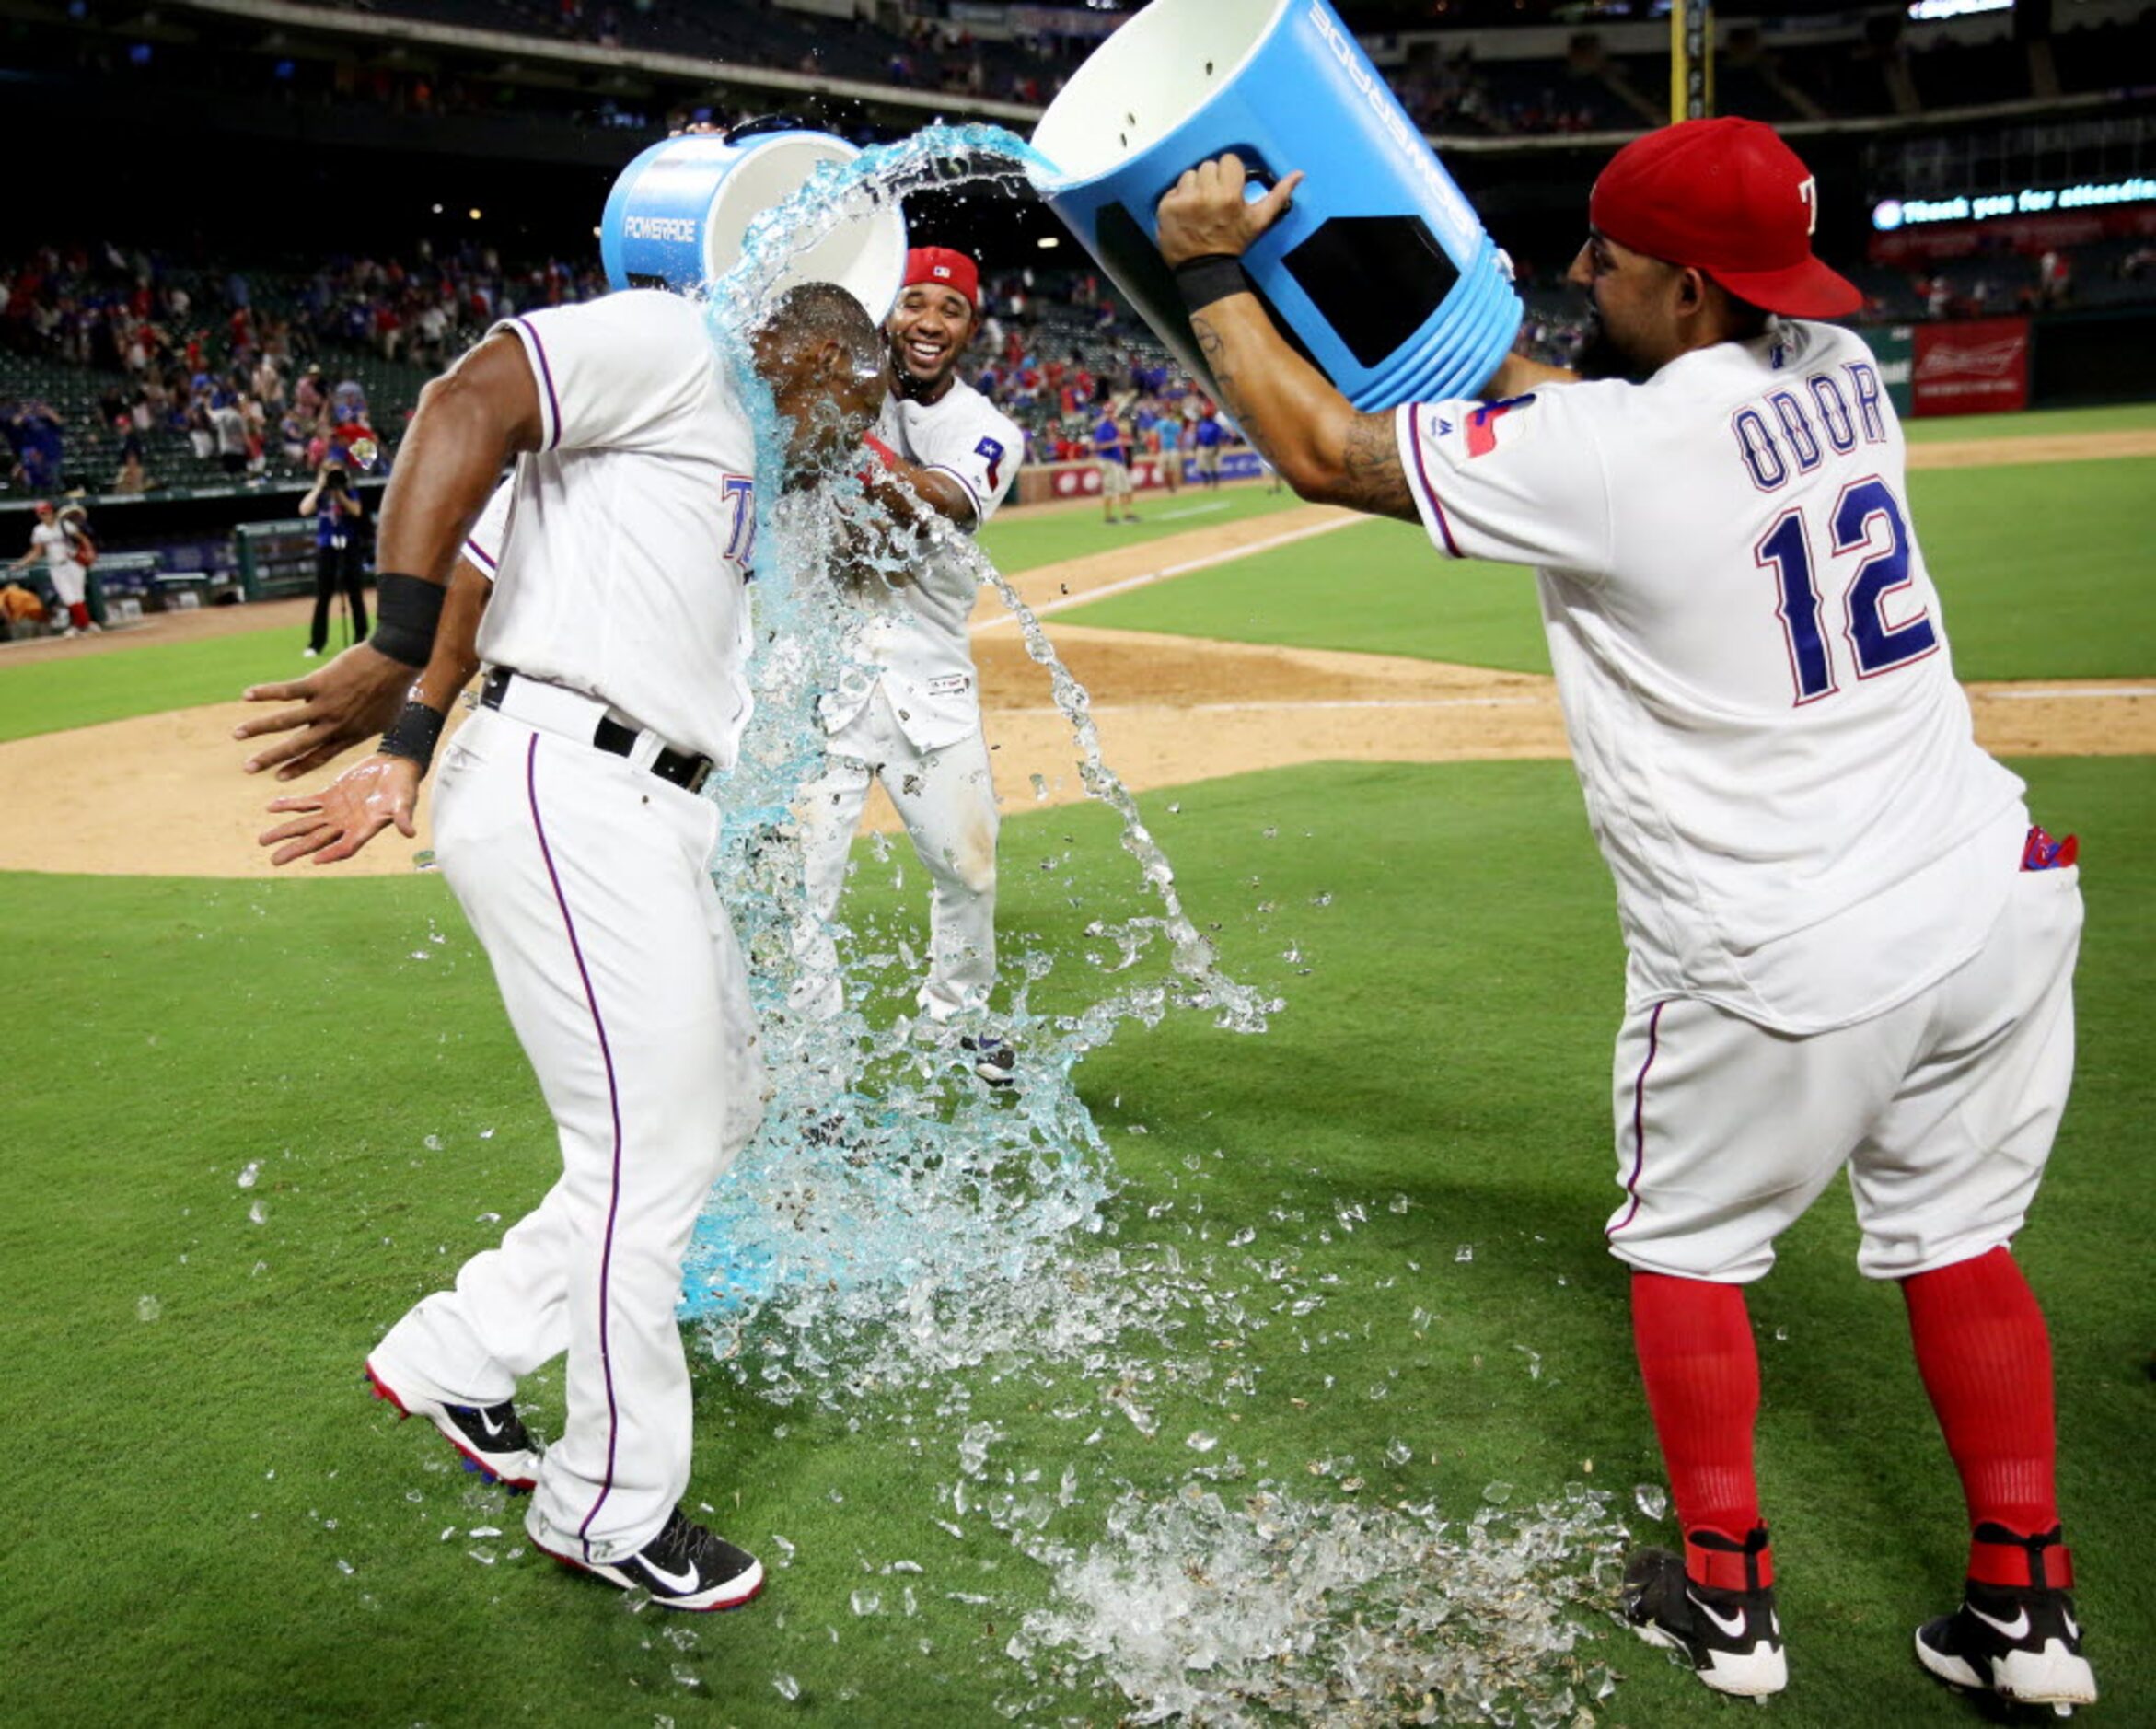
<point>354,697</point>
<point>1205,212</point>
<point>346,814</point>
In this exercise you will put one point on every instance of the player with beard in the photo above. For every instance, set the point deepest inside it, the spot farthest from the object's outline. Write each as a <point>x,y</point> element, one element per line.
<point>1847,944</point>
<point>908,709</point>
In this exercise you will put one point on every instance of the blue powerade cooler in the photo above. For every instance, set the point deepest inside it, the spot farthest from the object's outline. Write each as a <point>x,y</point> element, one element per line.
<point>678,214</point>
<point>1380,273</point>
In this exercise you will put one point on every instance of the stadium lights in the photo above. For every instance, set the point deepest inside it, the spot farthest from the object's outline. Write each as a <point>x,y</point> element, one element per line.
<point>473,213</point>
<point>437,210</point>
<point>1047,241</point>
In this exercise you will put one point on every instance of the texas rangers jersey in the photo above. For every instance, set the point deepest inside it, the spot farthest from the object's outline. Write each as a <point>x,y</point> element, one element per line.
<point>490,531</point>
<point>51,539</point>
<point>915,640</point>
<point>1778,763</point>
<point>635,520</point>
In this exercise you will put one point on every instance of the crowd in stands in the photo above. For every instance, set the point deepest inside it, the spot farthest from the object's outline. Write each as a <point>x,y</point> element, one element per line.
<point>248,374</point>
<point>1457,95</point>
<point>921,53</point>
<point>157,375</point>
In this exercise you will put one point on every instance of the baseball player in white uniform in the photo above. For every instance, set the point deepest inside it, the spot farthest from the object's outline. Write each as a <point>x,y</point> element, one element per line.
<point>908,711</point>
<point>569,826</point>
<point>50,540</point>
<point>1849,945</point>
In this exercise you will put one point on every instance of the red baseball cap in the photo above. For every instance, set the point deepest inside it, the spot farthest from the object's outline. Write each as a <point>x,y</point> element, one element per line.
<point>945,268</point>
<point>1729,197</point>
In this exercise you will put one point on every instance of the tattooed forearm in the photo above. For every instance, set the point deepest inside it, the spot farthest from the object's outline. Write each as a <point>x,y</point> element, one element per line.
<point>1240,408</point>
<point>1372,477</point>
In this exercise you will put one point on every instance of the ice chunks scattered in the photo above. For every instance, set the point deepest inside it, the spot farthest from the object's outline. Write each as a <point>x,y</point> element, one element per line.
<point>1285,1610</point>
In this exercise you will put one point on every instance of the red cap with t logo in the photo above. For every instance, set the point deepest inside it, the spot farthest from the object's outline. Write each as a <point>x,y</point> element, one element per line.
<point>1729,197</point>
<point>944,268</point>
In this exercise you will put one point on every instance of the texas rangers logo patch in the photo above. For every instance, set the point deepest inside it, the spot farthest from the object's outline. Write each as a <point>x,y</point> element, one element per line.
<point>1482,424</point>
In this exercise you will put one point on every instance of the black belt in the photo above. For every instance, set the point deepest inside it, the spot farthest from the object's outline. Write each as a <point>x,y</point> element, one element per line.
<point>684,771</point>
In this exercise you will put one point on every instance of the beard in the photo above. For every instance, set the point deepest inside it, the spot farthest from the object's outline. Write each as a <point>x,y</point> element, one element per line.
<point>1602,356</point>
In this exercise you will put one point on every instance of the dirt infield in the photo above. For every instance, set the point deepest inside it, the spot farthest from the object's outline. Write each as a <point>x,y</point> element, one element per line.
<point>163,794</point>
<point>1990,453</point>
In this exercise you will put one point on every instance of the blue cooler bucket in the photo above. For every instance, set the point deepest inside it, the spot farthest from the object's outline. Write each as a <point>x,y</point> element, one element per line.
<point>1381,272</point>
<point>677,214</point>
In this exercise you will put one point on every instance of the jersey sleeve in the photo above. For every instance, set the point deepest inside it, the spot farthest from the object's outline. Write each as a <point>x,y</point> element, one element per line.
<point>490,532</point>
<point>1520,481</point>
<point>620,372</point>
<point>980,449</point>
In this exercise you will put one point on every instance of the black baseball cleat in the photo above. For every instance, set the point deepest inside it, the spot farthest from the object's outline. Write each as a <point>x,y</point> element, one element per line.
<point>2021,1643</point>
<point>684,1567</point>
<point>994,1060</point>
<point>491,1438</point>
<point>1731,1638</point>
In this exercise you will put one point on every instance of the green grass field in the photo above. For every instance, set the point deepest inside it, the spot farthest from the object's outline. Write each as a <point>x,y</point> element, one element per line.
<point>1956,428</point>
<point>2046,571</point>
<point>229,1532</point>
<point>54,695</point>
<point>226,1531</point>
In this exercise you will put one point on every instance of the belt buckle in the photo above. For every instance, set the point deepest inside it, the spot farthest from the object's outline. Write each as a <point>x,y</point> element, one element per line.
<point>694,784</point>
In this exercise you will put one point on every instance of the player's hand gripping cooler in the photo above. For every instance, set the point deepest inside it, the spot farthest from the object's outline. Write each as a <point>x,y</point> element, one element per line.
<point>678,214</point>
<point>1380,273</point>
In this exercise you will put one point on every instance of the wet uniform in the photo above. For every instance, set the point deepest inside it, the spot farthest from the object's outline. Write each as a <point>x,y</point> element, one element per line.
<point>908,713</point>
<point>617,620</point>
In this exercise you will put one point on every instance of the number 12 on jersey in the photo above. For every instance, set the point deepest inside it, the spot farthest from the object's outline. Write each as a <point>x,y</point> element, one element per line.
<point>1875,646</point>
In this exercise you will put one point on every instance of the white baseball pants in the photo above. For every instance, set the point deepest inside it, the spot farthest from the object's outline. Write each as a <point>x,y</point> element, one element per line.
<point>947,798</point>
<point>1942,1108</point>
<point>586,881</point>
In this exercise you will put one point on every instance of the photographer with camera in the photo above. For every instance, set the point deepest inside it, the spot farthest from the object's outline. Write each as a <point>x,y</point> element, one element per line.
<point>337,513</point>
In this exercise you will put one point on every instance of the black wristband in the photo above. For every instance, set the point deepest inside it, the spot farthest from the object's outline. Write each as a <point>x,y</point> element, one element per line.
<point>409,610</point>
<point>1213,277</point>
<point>414,734</point>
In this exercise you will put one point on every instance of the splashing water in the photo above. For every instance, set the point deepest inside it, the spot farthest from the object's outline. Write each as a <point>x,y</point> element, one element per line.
<point>883,1178</point>
<point>894,1225</point>
<point>1345,1615</point>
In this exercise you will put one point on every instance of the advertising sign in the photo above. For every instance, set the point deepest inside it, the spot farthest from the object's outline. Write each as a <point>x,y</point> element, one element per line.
<point>1975,367</point>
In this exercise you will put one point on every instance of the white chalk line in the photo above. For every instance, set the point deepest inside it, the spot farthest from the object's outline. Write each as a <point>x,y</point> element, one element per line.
<point>1539,700</point>
<point>1184,569</point>
<point>2081,693</point>
<point>1545,701</point>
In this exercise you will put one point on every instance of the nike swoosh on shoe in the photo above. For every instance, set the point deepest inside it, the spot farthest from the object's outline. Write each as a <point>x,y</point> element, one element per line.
<point>1733,1627</point>
<point>680,1586</point>
<point>2016,1629</point>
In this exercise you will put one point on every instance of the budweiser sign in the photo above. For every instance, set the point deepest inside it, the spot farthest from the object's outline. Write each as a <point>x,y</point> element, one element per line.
<point>1977,367</point>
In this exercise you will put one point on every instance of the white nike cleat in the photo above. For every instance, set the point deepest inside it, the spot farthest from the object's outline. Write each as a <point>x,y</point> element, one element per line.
<point>994,1060</point>
<point>684,1567</point>
<point>493,1438</point>
<point>1732,1638</point>
<point>2021,1643</point>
